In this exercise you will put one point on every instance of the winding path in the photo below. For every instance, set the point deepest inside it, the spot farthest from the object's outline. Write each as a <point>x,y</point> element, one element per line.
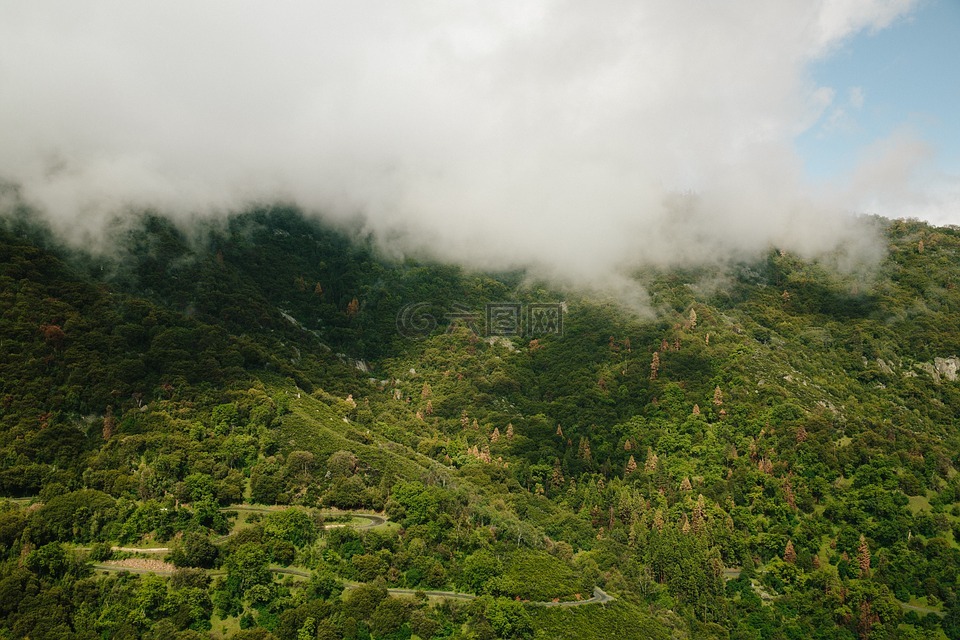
<point>373,520</point>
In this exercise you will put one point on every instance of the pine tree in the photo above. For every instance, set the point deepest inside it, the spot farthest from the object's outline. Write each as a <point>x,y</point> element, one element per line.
<point>109,424</point>
<point>628,446</point>
<point>699,514</point>
<point>863,557</point>
<point>685,484</point>
<point>631,466</point>
<point>654,365</point>
<point>429,408</point>
<point>583,449</point>
<point>510,431</point>
<point>426,391</point>
<point>801,435</point>
<point>696,409</point>
<point>788,493</point>
<point>693,319</point>
<point>559,431</point>
<point>318,290</point>
<point>652,461</point>
<point>557,479</point>
<point>789,553</point>
<point>658,520</point>
<point>717,396</point>
<point>353,307</point>
<point>495,435</point>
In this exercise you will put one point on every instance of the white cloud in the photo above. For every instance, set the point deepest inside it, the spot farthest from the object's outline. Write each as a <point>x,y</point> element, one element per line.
<point>856,97</point>
<point>494,132</point>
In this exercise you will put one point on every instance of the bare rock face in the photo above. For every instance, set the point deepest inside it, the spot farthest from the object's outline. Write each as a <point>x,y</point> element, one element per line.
<point>929,368</point>
<point>947,367</point>
<point>941,369</point>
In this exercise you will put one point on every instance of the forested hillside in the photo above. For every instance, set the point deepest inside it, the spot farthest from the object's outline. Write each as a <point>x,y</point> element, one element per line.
<point>264,428</point>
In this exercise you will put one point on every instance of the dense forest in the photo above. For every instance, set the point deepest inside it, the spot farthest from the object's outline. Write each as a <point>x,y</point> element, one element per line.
<point>261,427</point>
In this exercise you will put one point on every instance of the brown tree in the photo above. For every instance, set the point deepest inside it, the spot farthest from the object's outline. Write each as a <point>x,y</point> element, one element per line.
<point>109,423</point>
<point>53,335</point>
<point>717,396</point>
<point>631,466</point>
<point>652,461</point>
<point>789,553</point>
<point>583,449</point>
<point>654,365</point>
<point>863,556</point>
<point>353,307</point>
<point>556,479</point>
<point>510,431</point>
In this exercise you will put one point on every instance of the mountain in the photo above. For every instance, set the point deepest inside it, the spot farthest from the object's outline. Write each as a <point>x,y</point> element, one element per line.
<point>770,451</point>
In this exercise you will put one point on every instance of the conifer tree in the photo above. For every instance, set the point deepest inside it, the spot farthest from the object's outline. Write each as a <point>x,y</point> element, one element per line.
<point>495,435</point>
<point>789,553</point>
<point>109,423</point>
<point>863,556</point>
<point>654,365</point>
<point>510,431</point>
<point>717,396</point>
<point>631,465</point>
<point>557,478</point>
<point>652,461</point>
<point>658,520</point>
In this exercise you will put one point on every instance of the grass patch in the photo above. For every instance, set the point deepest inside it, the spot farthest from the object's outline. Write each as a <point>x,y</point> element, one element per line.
<point>222,628</point>
<point>917,504</point>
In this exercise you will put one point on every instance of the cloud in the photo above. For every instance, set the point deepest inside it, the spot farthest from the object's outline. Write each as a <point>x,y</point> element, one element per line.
<point>856,97</point>
<point>896,177</point>
<point>582,138</point>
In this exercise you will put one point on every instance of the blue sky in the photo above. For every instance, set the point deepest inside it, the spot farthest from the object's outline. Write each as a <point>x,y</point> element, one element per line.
<point>900,81</point>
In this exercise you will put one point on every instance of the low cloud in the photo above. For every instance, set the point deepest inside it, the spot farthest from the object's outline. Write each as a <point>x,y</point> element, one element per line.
<point>581,139</point>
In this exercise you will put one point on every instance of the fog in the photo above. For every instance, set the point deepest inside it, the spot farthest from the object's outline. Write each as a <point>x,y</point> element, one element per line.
<point>579,139</point>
